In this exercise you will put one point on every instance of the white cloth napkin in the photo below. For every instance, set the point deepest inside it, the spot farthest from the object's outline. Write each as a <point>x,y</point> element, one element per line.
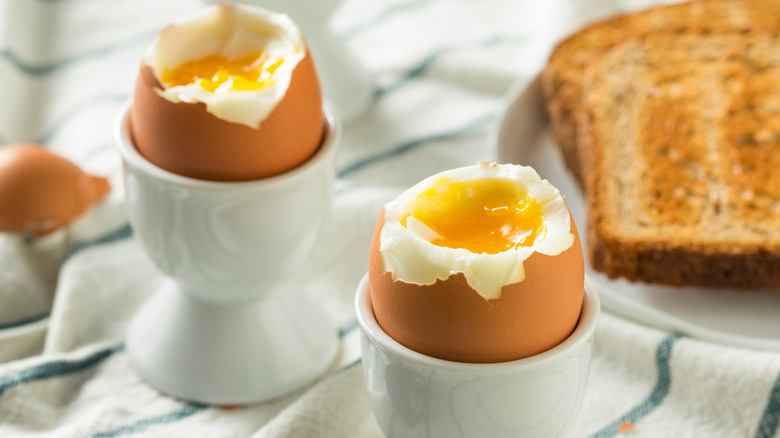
<point>441,69</point>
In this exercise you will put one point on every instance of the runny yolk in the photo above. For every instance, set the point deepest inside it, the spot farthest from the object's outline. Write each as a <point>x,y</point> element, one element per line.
<point>485,215</point>
<point>216,73</point>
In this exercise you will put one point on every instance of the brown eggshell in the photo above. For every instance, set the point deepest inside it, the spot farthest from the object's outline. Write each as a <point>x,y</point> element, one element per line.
<point>449,320</point>
<point>41,192</point>
<point>184,138</point>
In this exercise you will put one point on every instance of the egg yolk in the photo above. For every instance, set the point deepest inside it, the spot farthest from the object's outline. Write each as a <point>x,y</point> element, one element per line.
<point>218,74</point>
<point>485,215</point>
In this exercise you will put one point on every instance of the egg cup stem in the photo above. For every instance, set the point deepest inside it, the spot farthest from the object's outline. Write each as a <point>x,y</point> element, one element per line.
<point>230,354</point>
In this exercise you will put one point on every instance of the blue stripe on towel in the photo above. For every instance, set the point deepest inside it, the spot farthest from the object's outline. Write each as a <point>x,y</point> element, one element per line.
<point>347,367</point>
<point>347,328</point>
<point>384,16</point>
<point>99,52</point>
<point>414,144</point>
<point>183,412</point>
<point>121,233</point>
<point>771,417</point>
<point>79,108</point>
<point>344,190</point>
<point>73,112</point>
<point>25,321</point>
<point>663,383</point>
<point>429,61</point>
<point>191,408</point>
<point>57,368</point>
<point>414,73</point>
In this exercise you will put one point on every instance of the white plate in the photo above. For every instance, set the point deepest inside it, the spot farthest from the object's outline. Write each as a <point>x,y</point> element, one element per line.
<point>729,317</point>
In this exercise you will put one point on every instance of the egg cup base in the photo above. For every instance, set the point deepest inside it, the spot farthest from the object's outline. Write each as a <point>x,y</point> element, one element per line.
<point>227,354</point>
<point>414,395</point>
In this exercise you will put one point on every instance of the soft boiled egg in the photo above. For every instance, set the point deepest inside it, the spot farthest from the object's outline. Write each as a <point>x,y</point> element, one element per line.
<point>228,94</point>
<point>41,192</point>
<point>477,264</point>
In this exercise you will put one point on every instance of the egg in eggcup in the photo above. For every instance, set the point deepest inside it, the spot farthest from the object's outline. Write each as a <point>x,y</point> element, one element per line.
<point>229,94</point>
<point>475,314</point>
<point>228,156</point>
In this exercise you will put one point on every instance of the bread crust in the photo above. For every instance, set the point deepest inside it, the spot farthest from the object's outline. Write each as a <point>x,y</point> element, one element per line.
<point>669,261</point>
<point>693,224</point>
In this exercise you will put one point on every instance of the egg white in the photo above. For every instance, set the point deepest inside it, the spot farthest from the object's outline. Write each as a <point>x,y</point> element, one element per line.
<point>232,31</point>
<point>410,256</point>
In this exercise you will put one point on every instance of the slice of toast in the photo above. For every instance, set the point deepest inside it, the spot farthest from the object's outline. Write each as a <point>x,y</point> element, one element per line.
<point>679,140</point>
<point>562,78</point>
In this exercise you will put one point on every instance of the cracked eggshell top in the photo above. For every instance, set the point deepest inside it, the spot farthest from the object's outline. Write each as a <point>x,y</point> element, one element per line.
<point>239,135</point>
<point>448,319</point>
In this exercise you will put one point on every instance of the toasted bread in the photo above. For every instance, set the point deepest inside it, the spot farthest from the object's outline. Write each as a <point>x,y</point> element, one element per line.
<point>562,78</point>
<point>674,133</point>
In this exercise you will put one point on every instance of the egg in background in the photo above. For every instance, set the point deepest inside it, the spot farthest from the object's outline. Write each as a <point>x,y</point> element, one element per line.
<point>256,115</point>
<point>512,300</point>
<point>41,192</point>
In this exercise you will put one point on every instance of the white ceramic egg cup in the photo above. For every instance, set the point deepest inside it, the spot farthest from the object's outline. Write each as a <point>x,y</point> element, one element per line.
<point>417,396</point>
<point>230,326</point>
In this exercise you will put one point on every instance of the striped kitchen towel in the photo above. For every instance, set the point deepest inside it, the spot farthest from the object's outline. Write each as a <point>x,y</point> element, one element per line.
<point>441,69</point>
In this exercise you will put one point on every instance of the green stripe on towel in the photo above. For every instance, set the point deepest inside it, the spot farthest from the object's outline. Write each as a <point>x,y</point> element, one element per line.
<point>769,421</point>
<point>431,59</point>
<point>384,16</point>
<point>57,368</point>
<point>414,144</point>
<point>121,233</point>
<point>116,98</point>
<point>141,425</point>
<point>25,321</point>
<point>663,356</point>
<point>96,53</point>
